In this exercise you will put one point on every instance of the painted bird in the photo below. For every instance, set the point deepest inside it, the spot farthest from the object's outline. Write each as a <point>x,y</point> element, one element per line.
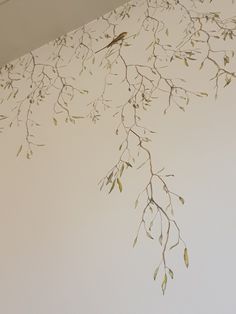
<point>114,41</point>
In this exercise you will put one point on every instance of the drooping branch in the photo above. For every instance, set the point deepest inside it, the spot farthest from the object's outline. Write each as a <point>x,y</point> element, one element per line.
<point>149,62</point>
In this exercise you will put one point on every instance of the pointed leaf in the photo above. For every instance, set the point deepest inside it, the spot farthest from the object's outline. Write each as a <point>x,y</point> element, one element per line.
<point>161,239</point>
<point>164,283</point>
<point>122,169</point>
<point>186,258</point>
<point>119,184</point>
<point>135,241</point>
<point>55,121</point>
<point>181,200</point>
<point>156,272</point>
<point>128,164</point>
<point>113,185</point>
<point>186,62</point>
<point>109,178</point>
<point>19,151</point>
<point>171,274</point>
<point>149,235</point>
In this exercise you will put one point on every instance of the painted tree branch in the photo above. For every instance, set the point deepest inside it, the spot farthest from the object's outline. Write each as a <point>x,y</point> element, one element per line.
<point>145,79</point>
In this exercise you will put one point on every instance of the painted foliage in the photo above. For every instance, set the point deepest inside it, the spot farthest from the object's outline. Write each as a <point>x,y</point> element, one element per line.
<point>129,62</point>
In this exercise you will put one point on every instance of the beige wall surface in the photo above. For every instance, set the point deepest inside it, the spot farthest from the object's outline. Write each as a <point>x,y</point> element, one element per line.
<point>65,246</point>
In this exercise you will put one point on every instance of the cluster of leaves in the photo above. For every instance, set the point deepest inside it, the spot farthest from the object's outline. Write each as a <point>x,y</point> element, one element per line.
<point>144,81</point>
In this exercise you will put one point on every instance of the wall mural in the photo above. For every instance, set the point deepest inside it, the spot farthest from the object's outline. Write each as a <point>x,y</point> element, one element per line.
<point>147,50</point>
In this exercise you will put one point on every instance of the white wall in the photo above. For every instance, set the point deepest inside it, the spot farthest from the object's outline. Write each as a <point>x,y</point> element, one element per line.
<point>66,247</point>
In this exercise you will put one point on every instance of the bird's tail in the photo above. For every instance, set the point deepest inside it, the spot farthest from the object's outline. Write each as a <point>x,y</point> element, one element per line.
<point>100,49</point>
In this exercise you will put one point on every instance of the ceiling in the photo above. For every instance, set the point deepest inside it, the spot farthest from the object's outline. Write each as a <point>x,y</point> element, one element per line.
<point>28,24</point>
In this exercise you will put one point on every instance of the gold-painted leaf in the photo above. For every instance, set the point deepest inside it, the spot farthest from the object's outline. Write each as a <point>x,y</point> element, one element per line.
<point>109,178</point>
<point>119,184</point>
<point>226,60</point>
<point>135,241</point>
<point>149,235</point>
<point>201,66</point>
<point>171,274</point>
<point>186,62</point>
<point>227,81</point>
<point>129,164</point>
<point>161,239</point>
<point>2,117</point>
<point>122,169</point>
<point>164,283</point>
<point>186,258</point>
<point>19,151</point>
<point>112,187</point>
<point>156,272</point>
<point>149,45</point>
<point>102,185</point>
<point>151,225</point>
<point>181,200</point>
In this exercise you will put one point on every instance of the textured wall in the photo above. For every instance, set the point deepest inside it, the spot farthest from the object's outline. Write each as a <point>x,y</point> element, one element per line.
<point>66,246</point>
